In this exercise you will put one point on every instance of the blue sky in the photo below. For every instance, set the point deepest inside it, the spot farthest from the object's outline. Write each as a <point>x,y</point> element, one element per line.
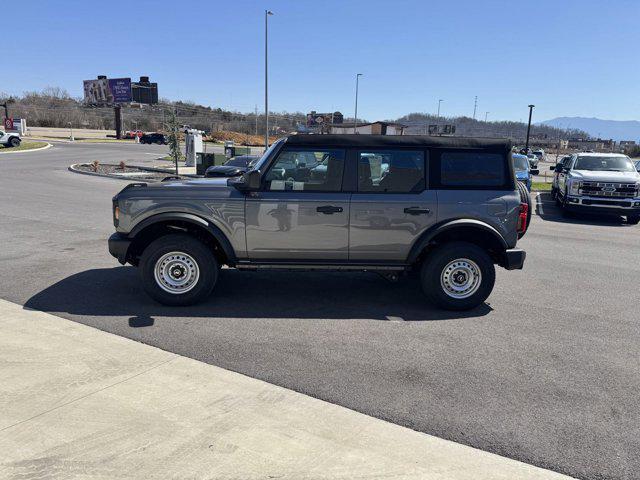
<point>570,58</point>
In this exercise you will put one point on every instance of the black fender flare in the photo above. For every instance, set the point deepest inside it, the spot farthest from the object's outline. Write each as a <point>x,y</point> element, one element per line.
<point>426,238</point>
<point>219,236</point>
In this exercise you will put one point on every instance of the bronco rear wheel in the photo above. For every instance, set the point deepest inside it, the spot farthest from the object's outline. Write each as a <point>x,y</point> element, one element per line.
<point>458,276</point>
<point>178,269</point>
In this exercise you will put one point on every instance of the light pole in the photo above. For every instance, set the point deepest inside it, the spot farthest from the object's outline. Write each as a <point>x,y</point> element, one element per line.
<point>526,146</point>
<point>355,120</point>
<point>266,78</point>
<point>439,102</point>
<point>485,116</point>
<point>70,132</point>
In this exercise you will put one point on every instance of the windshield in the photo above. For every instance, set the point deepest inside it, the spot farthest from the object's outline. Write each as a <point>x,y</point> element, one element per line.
<point>611,164</point>
<point>237,162</point>
<point>520,163</point>
<point>265,155</point>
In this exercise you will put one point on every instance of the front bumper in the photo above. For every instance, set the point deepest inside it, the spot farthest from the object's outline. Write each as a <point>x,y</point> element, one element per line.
<point>119,246</point>
<point>514,259</point>
<point>630,206</point>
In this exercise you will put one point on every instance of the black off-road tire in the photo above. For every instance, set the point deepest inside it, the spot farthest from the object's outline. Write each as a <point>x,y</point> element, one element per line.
<point>441,259</point>
<point>194,251</point>
<point>525,197</point>
<point>14,142</point>
<point>633,219</point>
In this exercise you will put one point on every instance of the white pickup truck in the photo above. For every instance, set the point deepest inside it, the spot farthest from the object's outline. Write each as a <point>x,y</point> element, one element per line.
<point>9,139</point>
<point>599,182</point>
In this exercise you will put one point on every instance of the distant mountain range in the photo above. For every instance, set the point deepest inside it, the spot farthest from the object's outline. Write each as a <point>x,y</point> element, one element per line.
<point>596,127</point>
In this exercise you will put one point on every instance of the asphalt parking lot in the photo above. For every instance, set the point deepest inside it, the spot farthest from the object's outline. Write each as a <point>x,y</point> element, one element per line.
<point>546,372</point>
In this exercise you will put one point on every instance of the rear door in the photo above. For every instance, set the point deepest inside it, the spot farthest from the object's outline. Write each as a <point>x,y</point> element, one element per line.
<point>391,206</point>
<point>300,213</point>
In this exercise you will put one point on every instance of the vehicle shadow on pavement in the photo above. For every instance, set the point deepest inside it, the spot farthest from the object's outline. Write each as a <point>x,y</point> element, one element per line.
<point>545,208</point>
<point>305,295</point>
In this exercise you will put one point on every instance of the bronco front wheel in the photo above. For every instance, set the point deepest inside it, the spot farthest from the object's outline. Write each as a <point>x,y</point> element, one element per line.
<point>178,269</point>
<point>458,276</point>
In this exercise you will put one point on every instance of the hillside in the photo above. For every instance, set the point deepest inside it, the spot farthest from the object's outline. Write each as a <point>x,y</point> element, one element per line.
<point>599,128</point>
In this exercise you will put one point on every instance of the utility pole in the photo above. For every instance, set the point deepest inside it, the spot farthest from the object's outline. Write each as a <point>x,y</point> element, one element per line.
<point>526,146</point>
<point>485,116</point>
<point>355,120</point>
<point>475,107</point>
<point>266,78</point>
<point>439,102</point>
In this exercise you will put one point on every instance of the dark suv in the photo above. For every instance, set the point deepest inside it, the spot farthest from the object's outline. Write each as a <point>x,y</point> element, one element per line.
<point>447,208</point>
<point>157,138</point>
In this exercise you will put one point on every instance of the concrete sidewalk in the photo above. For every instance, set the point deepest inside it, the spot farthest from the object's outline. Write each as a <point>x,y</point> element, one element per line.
<point>76,402</point>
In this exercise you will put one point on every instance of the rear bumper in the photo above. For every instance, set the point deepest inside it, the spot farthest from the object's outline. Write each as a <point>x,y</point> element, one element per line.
<point>514,259</point>
<point>119,246</point>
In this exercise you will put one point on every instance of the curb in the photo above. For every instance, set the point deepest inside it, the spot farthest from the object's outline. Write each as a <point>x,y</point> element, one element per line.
<point>74,168</point>
<point>48,145</point>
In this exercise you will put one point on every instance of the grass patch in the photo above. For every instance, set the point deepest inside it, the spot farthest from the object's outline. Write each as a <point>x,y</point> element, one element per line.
<point>541,186</point>
<point>23,146</point>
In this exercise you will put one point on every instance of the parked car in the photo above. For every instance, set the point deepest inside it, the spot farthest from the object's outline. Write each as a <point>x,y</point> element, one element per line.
<point>533,164</point>
<point>522,169</point>
<point>539,154</point>
<point>448,208</point>
<point>9,139</point>
<point>233,167</point>
<point>157,138</point>
<point>599,183</point>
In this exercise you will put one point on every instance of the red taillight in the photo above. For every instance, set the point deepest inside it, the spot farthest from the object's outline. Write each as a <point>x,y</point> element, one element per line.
<point>522,218</point>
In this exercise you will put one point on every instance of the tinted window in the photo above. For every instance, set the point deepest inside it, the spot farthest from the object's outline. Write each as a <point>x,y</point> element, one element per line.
<point>473,169</point>
<point>306,170</point>
<point>391,171</point>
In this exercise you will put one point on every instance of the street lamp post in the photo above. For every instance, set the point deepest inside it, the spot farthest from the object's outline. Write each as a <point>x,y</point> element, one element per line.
<point>266,78</point>
<point>355,119</point>
<point>70,132</point>
<point>439,102</point>
<point>486,114</point>
<point>526,146</point>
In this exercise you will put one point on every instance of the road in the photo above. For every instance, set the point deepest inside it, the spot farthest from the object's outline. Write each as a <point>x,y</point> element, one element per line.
<point>546,372</point>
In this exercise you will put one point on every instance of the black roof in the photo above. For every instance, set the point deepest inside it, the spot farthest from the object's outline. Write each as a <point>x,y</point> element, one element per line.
<point>365,140</point>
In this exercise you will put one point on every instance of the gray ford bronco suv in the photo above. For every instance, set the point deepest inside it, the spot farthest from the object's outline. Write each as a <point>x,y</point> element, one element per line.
<point>448,209</point>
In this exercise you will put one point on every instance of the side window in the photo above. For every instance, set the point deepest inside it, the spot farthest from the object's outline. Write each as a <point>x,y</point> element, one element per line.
<point>472,169</point>
<point>306,170</point>
<point>391,171</point>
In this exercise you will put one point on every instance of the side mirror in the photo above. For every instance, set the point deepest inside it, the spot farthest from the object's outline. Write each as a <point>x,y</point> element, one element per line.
<point>248,182</point>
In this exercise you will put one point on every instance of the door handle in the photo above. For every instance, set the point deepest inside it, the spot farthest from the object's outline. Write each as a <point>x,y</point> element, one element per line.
<point>417,211</point>
<point>328,209</point>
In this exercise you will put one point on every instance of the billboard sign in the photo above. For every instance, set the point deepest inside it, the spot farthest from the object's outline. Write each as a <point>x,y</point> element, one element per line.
<point>105,91</point>
<point>120,89</point>
<point>8,123</point>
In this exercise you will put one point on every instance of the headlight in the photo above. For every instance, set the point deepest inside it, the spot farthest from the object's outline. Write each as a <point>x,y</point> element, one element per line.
<point>574,187</point>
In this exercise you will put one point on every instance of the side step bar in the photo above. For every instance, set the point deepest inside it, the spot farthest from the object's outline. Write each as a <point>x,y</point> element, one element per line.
<point>243,265</point>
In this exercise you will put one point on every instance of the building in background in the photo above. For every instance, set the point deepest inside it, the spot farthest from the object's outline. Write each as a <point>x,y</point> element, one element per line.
<point>373,128</point>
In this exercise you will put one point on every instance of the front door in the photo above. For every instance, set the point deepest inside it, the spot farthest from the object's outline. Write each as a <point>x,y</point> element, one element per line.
<point>300,212</point>
<point>391,207</point>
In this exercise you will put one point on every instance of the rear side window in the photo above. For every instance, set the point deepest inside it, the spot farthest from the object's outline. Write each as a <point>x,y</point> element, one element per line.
<point>472,169</point>
<point>391,171</point>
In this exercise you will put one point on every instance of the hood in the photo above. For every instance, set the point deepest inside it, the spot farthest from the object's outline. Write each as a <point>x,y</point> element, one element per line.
<point>522,174</point>
<point>603,176</point>
<point>225,171</point>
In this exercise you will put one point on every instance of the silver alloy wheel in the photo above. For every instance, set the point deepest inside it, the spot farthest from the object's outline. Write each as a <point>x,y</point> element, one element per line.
<point>176,272</point>
<point>461,278</point>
